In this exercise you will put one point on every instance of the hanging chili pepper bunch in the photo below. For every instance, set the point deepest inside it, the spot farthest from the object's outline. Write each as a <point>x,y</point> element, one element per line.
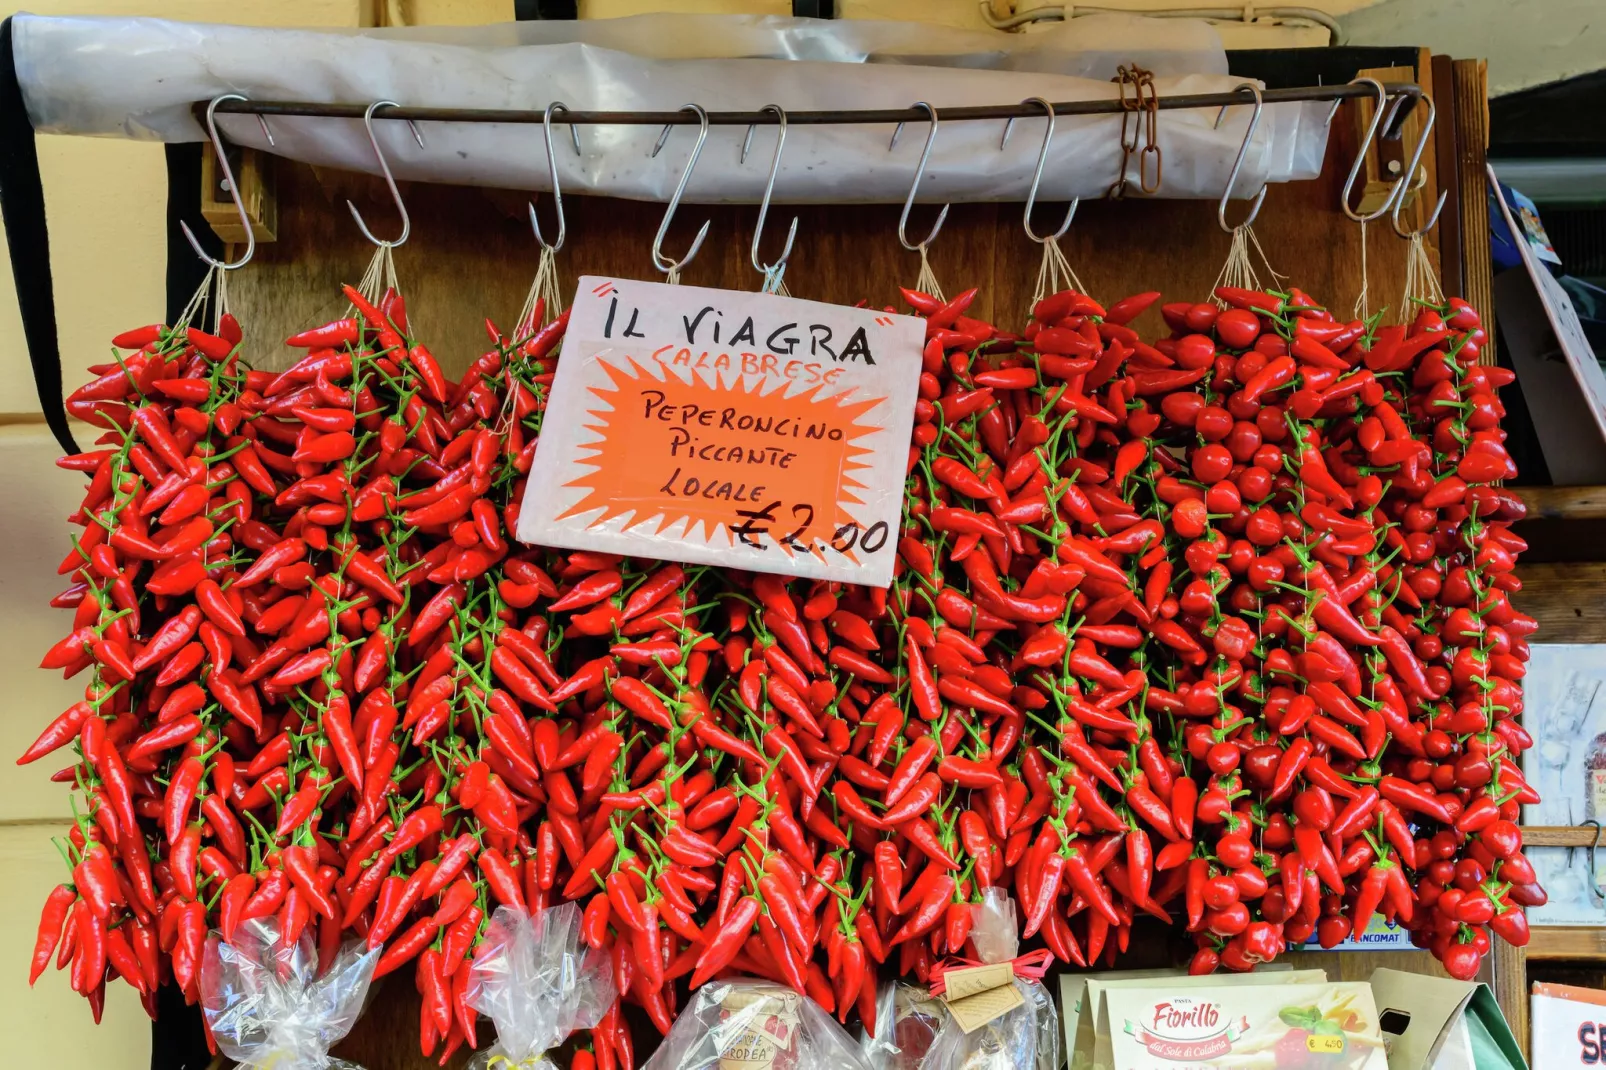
<point>269,565</point>
<point>1013,598</point>
<point>107,914</point>
<point>1357,665</point>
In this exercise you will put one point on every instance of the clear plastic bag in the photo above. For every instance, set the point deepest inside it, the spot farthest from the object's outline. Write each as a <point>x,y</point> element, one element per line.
<point>535,979</point>
<point>907,1023</point>
<point>923,1035</point>
<point>754,1025</point>
<point>266,1004</point>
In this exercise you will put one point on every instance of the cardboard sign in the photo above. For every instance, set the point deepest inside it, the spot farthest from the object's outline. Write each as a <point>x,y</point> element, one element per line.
<point>1173,1028</point>
<point>973,1012</point>
<point>723,428</point>
<point>979,994</point>
<point>1567,1025</point>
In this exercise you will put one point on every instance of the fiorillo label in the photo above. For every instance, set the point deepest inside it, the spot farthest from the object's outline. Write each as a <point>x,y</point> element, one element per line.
<point>1244,1027</point>
<point>725,428</point>
<point>1185,1029</point>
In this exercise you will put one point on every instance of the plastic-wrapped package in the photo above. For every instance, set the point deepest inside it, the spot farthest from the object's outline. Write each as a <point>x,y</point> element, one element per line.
<point>925,1035</point>
<point>754,1025</point>
<point>535,979</point>
<point>139,77</point>
<point>266,1004</point>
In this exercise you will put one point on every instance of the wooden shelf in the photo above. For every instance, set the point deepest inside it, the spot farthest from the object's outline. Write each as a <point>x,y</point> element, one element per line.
<point>1562,836</point>
<point>1567,598</point>
<point>1583,943</point>
<point>1563,503</point>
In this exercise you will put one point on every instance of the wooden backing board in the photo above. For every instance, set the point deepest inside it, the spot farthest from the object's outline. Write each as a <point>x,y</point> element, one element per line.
<point>1561,836</point>
<point>386,1036</point>
<point>1358,965</point>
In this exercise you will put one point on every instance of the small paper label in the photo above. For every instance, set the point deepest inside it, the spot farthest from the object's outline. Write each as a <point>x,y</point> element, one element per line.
<point>1325,1044</point>
<point>717,427</point>
<point>757,1028</point>
<point>973,1012</point>
<point>970,980</point>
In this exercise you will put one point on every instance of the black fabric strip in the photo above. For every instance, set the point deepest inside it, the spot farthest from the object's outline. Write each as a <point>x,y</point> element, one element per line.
<point>22,203</point>
<point>544,10</point>
<point>185,270</point>
<point>178,1041</point>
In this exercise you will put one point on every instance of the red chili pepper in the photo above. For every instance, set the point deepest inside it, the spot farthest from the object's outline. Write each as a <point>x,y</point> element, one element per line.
<point>62,730</point>
<point>1313,852</point>
<point>1408,796</point>
<point>51,920</point>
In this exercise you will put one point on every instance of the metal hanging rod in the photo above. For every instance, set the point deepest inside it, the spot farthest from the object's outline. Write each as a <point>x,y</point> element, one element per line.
<point>1406,93</point>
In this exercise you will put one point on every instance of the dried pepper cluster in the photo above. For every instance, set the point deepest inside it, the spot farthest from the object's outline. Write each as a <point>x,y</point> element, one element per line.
<point>1214,629</point>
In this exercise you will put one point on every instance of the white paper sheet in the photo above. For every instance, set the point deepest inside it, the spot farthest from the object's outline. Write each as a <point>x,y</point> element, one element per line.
<point>138,78</point>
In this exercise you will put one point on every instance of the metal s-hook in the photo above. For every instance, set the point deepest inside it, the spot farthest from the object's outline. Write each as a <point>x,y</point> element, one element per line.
<point>660,261</point>
<point>390,180</point>
<point>1410,172</point>
<point>1037,177</point>
<point>920,169</point>
<point>769,270</point>
<point>1594,880</point>
<point>1378,113</point>
<point>231,185</point>
<point>552,174</point>
<point>1238,163</point>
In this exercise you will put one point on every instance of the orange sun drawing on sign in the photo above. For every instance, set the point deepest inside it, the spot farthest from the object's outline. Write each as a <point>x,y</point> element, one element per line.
<point>731,460</point>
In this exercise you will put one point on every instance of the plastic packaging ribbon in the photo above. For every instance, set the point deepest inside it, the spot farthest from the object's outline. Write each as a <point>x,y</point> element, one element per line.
<point>535,979</point>
<point>269,1006</point>
<point>1031,966</point>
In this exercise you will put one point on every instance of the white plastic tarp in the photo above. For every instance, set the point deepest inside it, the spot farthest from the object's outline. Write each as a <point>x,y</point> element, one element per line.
<point>138,78</point>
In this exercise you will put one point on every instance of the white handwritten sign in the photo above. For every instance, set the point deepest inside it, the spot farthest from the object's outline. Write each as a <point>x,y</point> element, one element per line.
<point>716,427</point>
<point>1568,1025</point>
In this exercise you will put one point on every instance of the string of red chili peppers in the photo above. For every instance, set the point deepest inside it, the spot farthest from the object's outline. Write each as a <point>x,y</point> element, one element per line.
<point>1147,596</point>
<point>1360,560</point>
